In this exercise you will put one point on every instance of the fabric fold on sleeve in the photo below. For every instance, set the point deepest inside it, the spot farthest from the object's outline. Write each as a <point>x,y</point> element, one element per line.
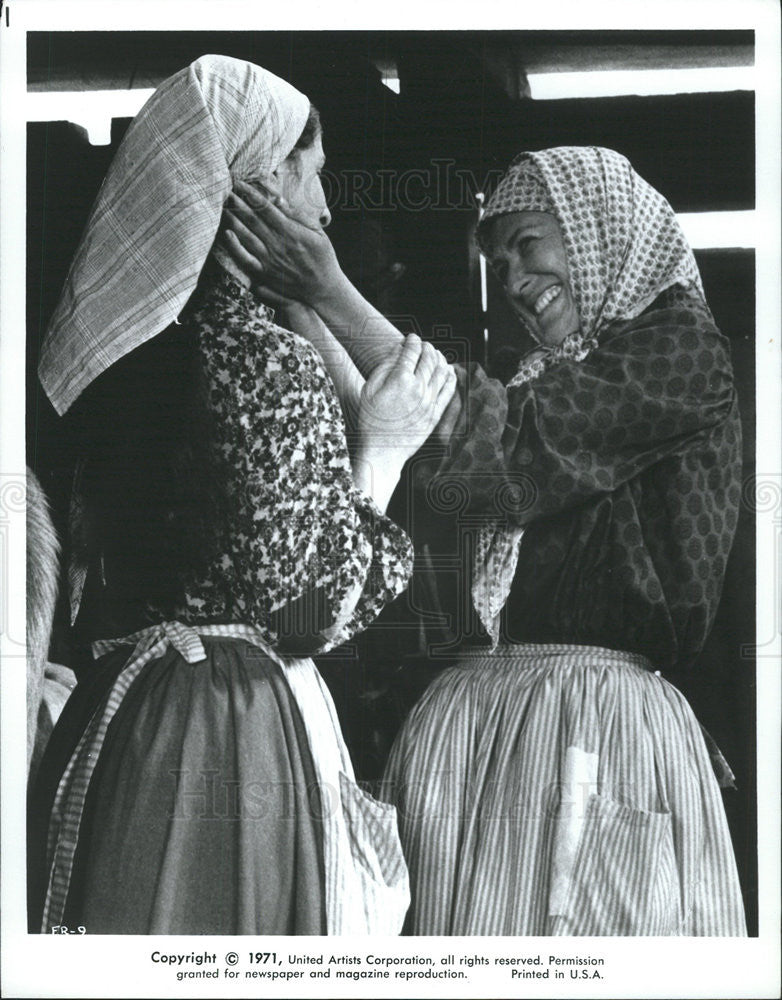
<point>584,428</point>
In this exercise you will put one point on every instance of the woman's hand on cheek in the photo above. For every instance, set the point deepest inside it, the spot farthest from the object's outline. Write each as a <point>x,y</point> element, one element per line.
<point>276,251</point>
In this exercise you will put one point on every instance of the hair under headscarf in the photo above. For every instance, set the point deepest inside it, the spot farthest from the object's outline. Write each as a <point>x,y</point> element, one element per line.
<point>158,212</point>
<point>623,241</point>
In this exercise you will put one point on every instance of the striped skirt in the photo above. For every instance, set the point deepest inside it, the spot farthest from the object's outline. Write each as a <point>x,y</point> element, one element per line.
<point>560,790</point>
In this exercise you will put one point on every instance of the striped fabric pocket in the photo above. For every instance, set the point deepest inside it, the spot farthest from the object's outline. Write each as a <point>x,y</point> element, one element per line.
<point>625,879</point>
<point>378,861</point>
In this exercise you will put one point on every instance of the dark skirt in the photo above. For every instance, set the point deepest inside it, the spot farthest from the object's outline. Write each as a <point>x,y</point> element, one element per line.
<point>202,815</point>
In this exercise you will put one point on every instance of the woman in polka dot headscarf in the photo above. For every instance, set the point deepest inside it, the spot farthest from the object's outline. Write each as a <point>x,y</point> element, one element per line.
<point>552,782</point>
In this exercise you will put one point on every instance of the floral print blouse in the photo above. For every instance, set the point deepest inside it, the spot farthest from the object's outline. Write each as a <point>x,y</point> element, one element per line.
<point>297,521</point>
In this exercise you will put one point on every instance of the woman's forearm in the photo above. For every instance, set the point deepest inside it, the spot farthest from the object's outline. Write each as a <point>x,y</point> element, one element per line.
<point>365,333</point>
<point>377,473</point>
<point>347,379</point>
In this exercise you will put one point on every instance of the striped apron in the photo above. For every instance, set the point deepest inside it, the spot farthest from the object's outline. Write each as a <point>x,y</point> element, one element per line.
<point>561,790</point>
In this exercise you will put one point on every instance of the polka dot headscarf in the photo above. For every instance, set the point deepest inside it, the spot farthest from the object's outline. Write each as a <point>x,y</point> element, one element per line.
<point>623,241</point>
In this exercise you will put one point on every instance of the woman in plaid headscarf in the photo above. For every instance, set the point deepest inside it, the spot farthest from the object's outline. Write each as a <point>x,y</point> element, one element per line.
<point>197,781</point>
<point>552,782</point>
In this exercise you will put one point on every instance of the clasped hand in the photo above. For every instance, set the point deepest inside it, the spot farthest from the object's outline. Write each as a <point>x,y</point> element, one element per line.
<point>290,262</point>
<point>403,399</point>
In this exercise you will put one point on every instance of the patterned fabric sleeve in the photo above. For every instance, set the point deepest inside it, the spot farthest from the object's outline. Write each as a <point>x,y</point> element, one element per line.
<point>582,428</point>
<point>299,526</point>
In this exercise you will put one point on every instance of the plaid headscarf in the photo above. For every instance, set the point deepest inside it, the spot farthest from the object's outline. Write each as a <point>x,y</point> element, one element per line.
<point>624,247</point>
<point>623,242</point>
<point>158,212</point>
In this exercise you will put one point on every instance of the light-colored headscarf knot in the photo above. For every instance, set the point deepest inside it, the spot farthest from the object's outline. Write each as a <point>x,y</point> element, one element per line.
<point>157,214</point>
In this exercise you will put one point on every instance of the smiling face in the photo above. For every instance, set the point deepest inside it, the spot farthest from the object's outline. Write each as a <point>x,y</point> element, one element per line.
<point>298,180</point>
<point>526,252</point>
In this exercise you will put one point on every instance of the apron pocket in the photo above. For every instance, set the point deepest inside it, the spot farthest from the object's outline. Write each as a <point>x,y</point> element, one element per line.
<point>378,864</point>
<point>373,834</point>
<point>624,880</point>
